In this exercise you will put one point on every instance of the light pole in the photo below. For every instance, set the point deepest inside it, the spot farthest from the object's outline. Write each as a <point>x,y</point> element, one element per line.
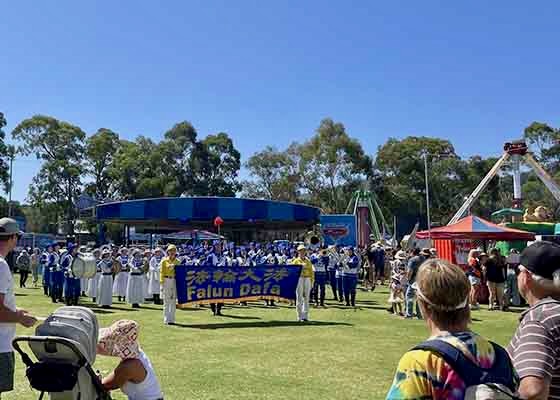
<point>11,154</point>
<point>425,156</point>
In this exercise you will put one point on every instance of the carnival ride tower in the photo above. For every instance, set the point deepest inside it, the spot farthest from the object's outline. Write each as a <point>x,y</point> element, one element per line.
<point>369,218</point>
<point>515,152</point>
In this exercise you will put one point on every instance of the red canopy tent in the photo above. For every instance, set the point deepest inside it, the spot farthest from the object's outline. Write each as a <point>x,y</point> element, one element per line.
<point>475,228</point>
<point>454,241</point>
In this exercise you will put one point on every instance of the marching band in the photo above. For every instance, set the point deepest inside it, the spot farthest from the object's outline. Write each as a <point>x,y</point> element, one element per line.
<point>136,276</point>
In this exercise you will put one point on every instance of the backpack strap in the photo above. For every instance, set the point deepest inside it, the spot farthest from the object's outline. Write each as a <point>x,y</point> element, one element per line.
<point>469,372</point>
<point>501,371</point>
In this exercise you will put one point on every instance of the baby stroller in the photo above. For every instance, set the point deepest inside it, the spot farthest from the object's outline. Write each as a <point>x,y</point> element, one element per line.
<point>64,346</point>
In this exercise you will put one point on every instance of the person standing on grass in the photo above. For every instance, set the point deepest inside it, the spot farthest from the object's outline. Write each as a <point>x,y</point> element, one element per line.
<point>410,295</point>
<point>168,285</point>
<point>331,269</point>
<point>23,263</point>
<point>71,287</point>
<point>105,286</point>
<point>454,363</point>
<point>350,269</point>
<point>153,275</point>
<point>135,283</point>
<point>9,314</point>
<point>535,347</point>
<point>46,274</point>
<point>379,265</point>
<point>474,274</point>
<point>305,283</point>
<point>494,270</point>
<point>35,258</point>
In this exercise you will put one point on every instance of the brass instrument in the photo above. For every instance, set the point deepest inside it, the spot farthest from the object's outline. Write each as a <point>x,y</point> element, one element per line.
<point>116,266</point>
<point>313,240</point>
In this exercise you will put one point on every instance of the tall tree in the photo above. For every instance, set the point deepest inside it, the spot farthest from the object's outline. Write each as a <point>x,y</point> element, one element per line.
<point>331,160</point>
<point>100,153</point>
<point>181,158</point>
<point>59,145</point>
<point>136,170</point>
<point>400,163</point>
<point>275,174</point>
<point>220,164</point>
<point>542,138</point>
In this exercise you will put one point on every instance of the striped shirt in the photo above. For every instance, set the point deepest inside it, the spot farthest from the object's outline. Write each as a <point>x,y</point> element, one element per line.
<point>535,347</point>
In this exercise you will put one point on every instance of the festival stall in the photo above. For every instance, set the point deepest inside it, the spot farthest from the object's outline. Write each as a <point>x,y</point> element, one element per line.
<point>454,241</point>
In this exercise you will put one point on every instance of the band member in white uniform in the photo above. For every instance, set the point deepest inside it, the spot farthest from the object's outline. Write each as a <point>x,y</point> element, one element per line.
<point>105,287</point>
<point>135,286</point>
<point>121,279</point>
<point>153,275</point>
<point>93,282</point>
<point>83,281</point>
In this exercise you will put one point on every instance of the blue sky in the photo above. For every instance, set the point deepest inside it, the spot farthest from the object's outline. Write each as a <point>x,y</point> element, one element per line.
<point>268,72</point>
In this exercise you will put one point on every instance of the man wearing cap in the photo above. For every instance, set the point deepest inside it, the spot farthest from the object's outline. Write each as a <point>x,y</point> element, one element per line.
<point>305,283</point>
<point>167,284</point>
<point>9,314</point>
<point>535,347</point>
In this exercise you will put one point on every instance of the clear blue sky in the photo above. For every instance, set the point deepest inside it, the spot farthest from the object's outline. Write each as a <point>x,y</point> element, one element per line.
<point>268,72</point>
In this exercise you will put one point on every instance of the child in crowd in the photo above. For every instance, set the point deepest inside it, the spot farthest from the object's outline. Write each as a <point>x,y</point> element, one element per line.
<point>398,282</point>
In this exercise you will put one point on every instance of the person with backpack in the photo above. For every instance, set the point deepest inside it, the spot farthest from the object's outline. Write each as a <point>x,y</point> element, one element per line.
<point>535,347</point>
<point>454,363</point>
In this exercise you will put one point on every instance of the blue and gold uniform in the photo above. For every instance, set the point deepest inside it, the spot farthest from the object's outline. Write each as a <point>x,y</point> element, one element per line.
<point>72,285</point>
<point>44,261</point>
<point>56,280</point>
<point>350,269</point>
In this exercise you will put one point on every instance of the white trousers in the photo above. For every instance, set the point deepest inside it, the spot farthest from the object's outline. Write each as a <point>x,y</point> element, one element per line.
<point>169,296</point>
<point>303,291</point>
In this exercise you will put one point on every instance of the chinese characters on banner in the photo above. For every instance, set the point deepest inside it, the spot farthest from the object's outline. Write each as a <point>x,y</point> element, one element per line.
<point>209,284</point>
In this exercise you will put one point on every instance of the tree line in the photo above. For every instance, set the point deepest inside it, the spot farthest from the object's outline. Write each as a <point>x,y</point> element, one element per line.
<point>324,170</point>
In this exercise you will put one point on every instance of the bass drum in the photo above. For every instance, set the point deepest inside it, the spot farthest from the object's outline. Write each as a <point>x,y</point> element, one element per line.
<point>84,266</point>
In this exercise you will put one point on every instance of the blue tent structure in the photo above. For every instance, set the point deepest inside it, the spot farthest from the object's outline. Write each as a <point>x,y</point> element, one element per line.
<point>193,234</point>
<point>244,219</point>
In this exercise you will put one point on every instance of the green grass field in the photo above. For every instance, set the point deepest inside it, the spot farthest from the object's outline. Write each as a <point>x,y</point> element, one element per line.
<point>262,353</point>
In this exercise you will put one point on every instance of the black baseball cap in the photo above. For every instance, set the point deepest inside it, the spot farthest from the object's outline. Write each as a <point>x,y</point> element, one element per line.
<point>541,258</point>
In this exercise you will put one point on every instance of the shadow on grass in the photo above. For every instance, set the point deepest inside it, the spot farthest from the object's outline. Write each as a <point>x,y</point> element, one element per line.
<point>238,316</point>
<point>94,308</point>
<point>21,295</point>
<point>102,311</point>
<point>263,324</point>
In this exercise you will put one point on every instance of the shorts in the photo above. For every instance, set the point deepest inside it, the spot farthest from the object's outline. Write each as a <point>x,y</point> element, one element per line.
<point>495,286</point>
<point>7,363</point>
<point>474,280</point>
<point>380,269</point>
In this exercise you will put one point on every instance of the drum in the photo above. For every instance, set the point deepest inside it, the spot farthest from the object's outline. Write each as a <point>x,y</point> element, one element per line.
<point>84,266</point>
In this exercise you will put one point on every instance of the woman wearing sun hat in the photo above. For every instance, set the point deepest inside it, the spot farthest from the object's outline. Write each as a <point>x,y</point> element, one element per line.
<point>135,375</point>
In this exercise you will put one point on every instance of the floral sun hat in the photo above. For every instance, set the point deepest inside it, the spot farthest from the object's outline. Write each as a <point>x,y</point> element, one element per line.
<point>120,339</point>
